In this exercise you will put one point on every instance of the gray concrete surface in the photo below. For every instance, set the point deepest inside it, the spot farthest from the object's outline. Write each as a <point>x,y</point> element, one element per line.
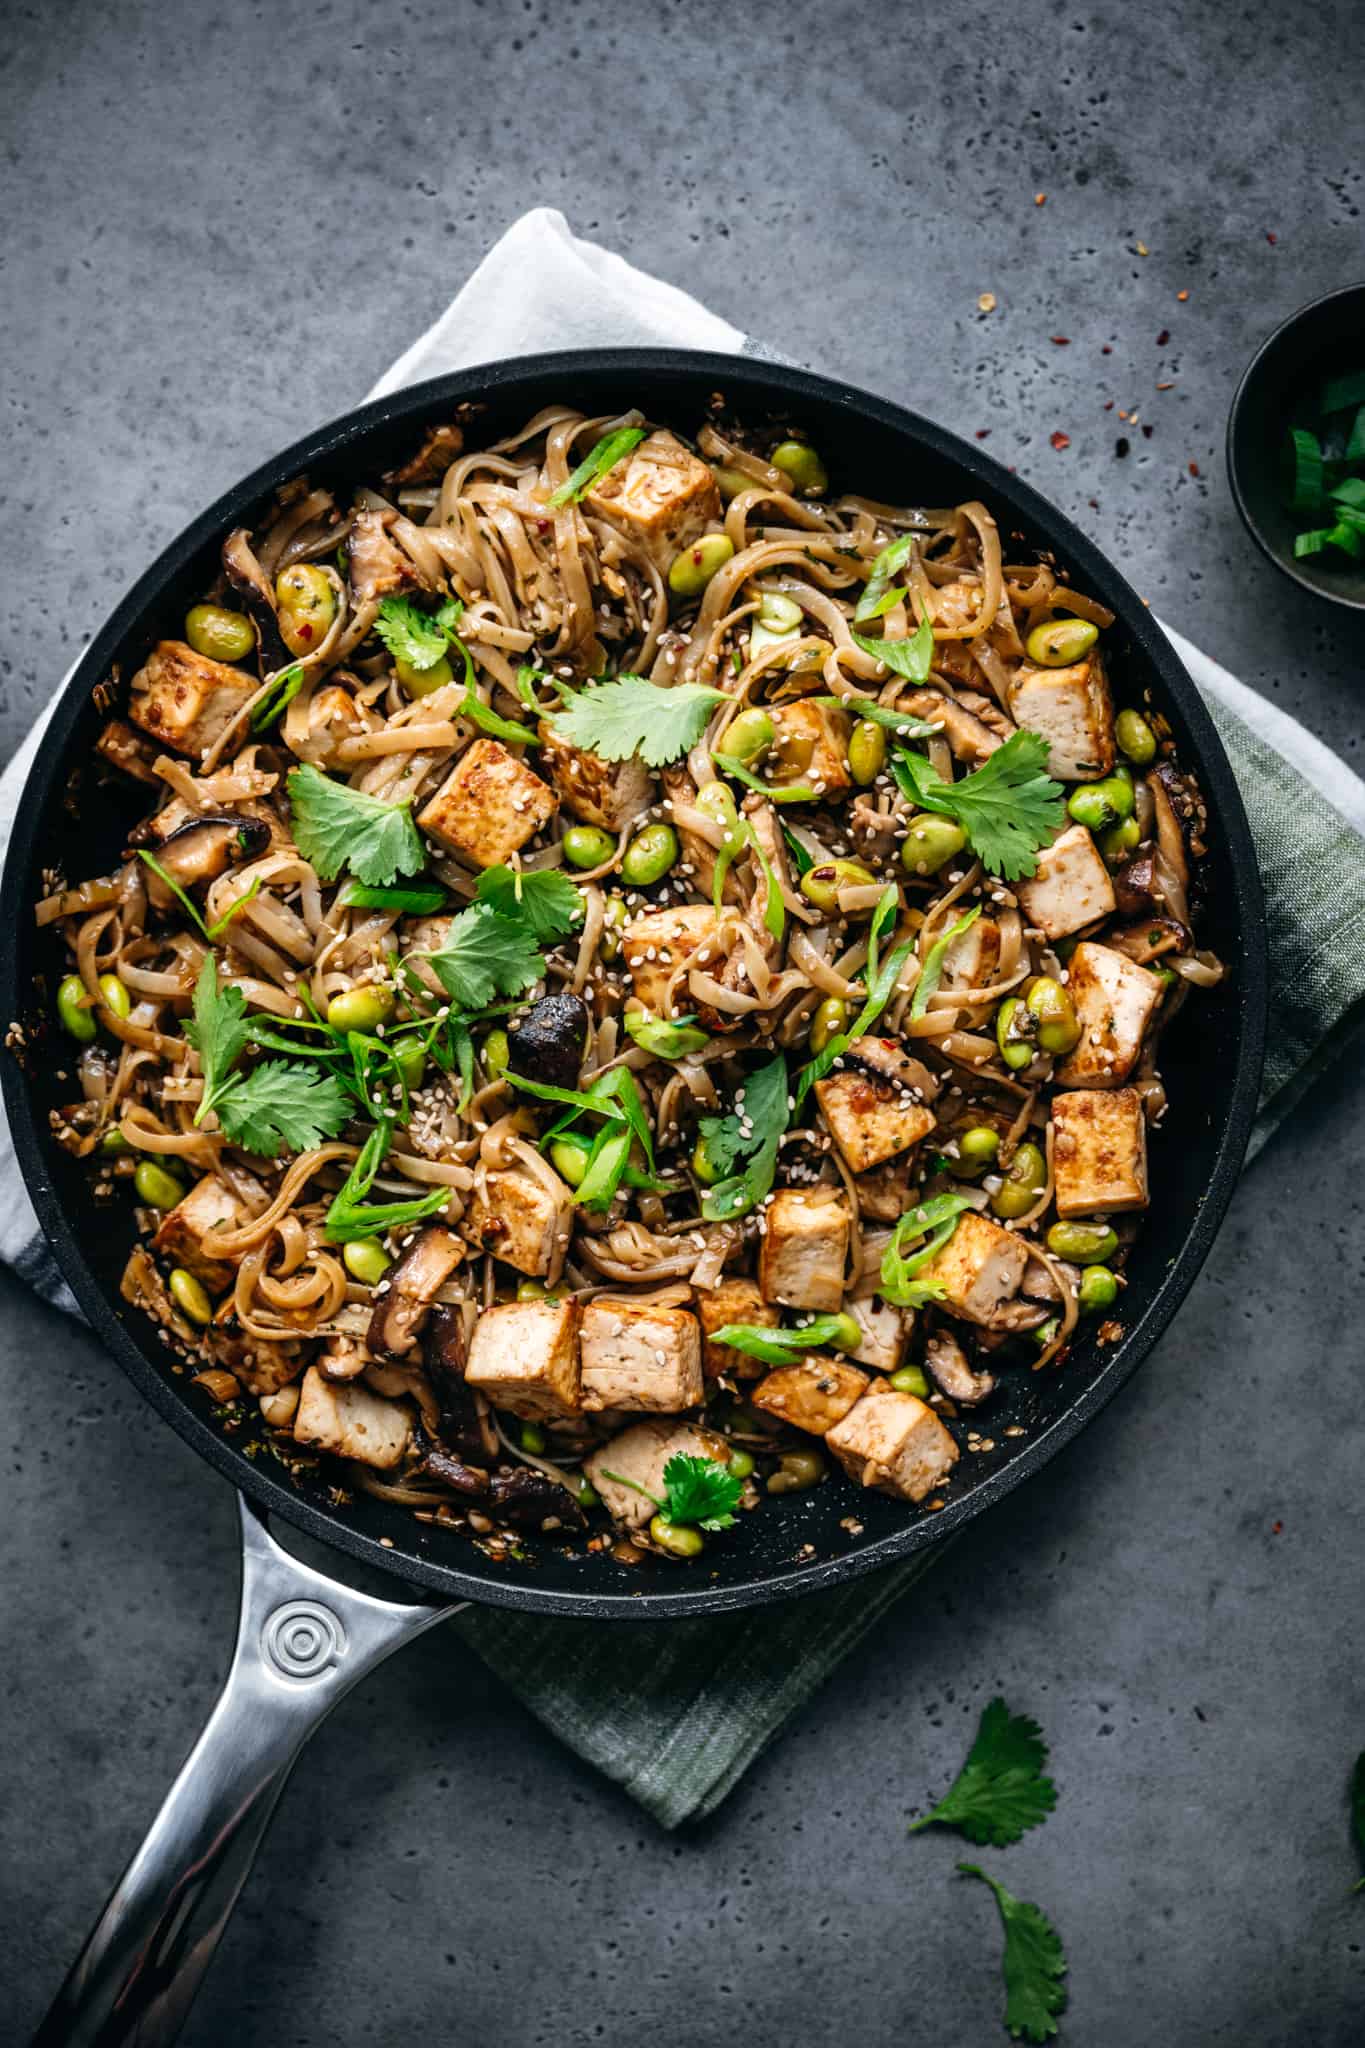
<point>220,222</point>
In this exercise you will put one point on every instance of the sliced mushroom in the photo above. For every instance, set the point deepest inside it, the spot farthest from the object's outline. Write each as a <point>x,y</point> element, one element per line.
<point>876,832</point>
<point>548,1043</point>
<point>248,579</point>
<point>465,1426</point>
<point>438,1463</point>
<point>886,1060</point>
<point>1149,937</point>
<point>406,1292</point>
<point>964,731</point>
<point>377,568</point>
<point>529,1499</point>
<point>123,748</point>
<point>433,458</point>
<point>204,849</point>
<point>945,1361</point>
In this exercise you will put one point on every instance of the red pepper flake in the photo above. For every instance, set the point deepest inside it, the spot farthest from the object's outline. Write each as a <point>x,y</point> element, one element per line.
<point>1061,341</point>
<point>1276,1528</point>
<point>1182,296</point>
<point>1170,386</point>
<point>1093,503</point>
<point>1040,199</point>
<point>1105,349</point>
<point>1060,440</point>
<point>1109,405</point>
<point>1194,469</point>
<point>983,433</point>
<point>1270,238</point>
<point>1163,337</point>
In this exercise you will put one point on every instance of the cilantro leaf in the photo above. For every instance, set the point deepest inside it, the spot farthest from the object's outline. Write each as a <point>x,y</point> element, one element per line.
<point>700,1491</point>
<point>779,1347</point>
<point>1358,1810</point>
<point>219,1032</point>
<point>751,1133</point>
<point>337,827</point>
<point>280,1107</point>
<point>1000,1792</point>
<point>544,900</point>
<point>1033,1964</point>
<point>417,638</point>
<point>931,973</point>
<point>349,1216</point>
<point>485,955</point>
<point>1008,807</point>
<point>935,1220</point>
<point>912,658</point>
<point>877,589</point>
<point>607,453</point>
<point>628,716</point>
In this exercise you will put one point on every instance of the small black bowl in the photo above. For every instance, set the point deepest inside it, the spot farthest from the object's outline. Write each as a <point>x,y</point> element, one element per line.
<point>1324,339</point>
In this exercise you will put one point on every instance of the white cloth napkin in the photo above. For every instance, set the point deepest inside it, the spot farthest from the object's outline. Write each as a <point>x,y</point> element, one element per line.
<point>540,287</point>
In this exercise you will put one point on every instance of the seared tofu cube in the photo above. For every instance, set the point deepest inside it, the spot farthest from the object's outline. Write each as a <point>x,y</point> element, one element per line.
<point>805,1247</point>
<point>872,1103</point>
<point>979,1268</point>
<point>1114,1000</point>
<point>884,1332</point>
<point>1071,887</point>
<point>813,1394</point>
<point>522,1222</point>
<point>488,806</point>
<point>606,793</point>
<point>1099,1151</point>
<point>810,746</point>
<point>662,495</point>
<point>893,1443</point>
<point>347,1417</point>
<point>638,1356</point>
<point>733,1301</point>
<point>1073,711</point>
<point>657,945</point>
<point>524,1356</point>
<point>186,1232</point>
<point>973,957</point>
<point>184,699</point>
<point>628,1472</point>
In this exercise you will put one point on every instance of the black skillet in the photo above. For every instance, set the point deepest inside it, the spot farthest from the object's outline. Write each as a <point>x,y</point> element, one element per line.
<point>304,1639</point>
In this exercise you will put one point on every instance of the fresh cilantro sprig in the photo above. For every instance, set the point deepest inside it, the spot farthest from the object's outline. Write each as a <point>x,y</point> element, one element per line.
<point>545,900</point>
<point>698,1491</point>
<point>604,456</point>
<point>912,657</point>
<point>484,955</point>
<point>743,1146</point>
<point>337,827</point>
<point>628,717</point>
<point>1033,1964</point>
<point>1000,1792</point>
<point>418,639</point>
<point>279,1106</point>
<point>927,1227</point>
<point>931,973</point>
<point>776,1346</point>
<point>1009,807</point>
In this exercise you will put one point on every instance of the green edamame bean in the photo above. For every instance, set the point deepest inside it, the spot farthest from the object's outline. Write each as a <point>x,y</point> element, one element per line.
<point>675,1537</point>
<point>821,884</point>
<point>412,1061</point>
<point>586,1494</point>
<point>1059,642</point>
<point>1082,1244</point>
<point>420,682</point>
<point>778,612</point>
<point>801,463</point>
<point>305,605</point>
<point>588,846</point>
<point>116,997</point>
<point>831,1016</point>
<point>533,1439</point>
<point>847,1333</point>
<point>113,1144</point>
<point>977,1150</point>
<point>570,1161</point>
<point>662,1037</point>
<point>495,1053</point>
<point>531,1290</point>
<point>1118,790</point>
<point>1089,805</point>
<point>930,844</point>
<point>910,1380</point>
<point>156,1187</point>
<point>1054,1014</point>
<point>797,1471</point>
<point>614,922</point>
<point>1013,1034</point>
<point>1120,840</point>
<point>1099,1290</point>
<point>650,855</point>
<point>360,1009</point>
<point>702,1166</point>
<point>219,634</point>
<point>730,482</point>
<point>1135,737</point>
<point>366,1260</point>
<point>73,1008</point>
<point>741,1464</point>
<point>749,735</point>
<point>715,800</point>
<point>1018,1192</point>
<point>190,1296</point>
<point>1045,1332</point>
<point>691,571</point>
<point>866,751</point>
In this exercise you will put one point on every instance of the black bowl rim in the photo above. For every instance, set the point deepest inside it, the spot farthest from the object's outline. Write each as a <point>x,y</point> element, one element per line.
<point>702,371</point>
<point>1287,566</point>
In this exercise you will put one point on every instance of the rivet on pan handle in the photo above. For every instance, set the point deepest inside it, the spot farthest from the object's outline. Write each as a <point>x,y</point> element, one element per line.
<point>303,1640</point>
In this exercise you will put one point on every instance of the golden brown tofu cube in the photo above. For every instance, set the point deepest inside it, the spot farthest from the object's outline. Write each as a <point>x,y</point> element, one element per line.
<point>629,1471</point>
<point>872,1103</point>
<point>186,1232</point>
<point>884,1332</point>
<point>656,945</point>
<point>812,1395</point>
<point>1114,1000</point>
<point>488,806</point>
<point>346,1417</point>
<point>1099,1151</point>
<point>979,1268</point>
<point>805,1248</point>
<point>662,494</point>
<point>1071,887</point>
<point>733,1301</point>
<point>1073,711</point>
<point>606,793</point>
<point>973,957</point>
<point>638,1356</point>
<point>184,699</point>
<point>524,1356</point>
<point>810,747</point>
<point>893,1443</point>
<point>522,1222</point>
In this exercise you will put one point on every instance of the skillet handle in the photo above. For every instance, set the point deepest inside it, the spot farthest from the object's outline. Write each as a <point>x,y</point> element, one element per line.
<point>303,1640</point>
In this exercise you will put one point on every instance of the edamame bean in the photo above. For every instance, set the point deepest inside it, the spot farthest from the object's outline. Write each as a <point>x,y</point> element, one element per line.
<point>691,571</point>
<point>569,1160</point>
<point>649,856</point>
<point>910,1380</point>
<point>155,1186</point>
<point>305,605</point>
<point>866,751</point>
<point>797,1471</point>
<point>715,800</point>
<point>1082,1244</point>
<point>222,635</point>
<point>586,1494</point>
<point>749,736</point>
<point>779,618</point>
<point>675,1537</point>
<point>977,1149</point>
<point>1013,1034</point>
<point>1089,805</point>
<point>829,1020</point>
<point>1018,1192</point>
<point>1059,642</point>
<point>116,997</point>
<point>1120,840</point>
<point>421,682</point>
<point>366,1260</point>
<point>741,1464</point>
<point>821,884</point>
<point>1099,1290</point>
<point>1118,789</point>
<point>801,463</point>
<point>614,922</point>
<point>113,1144</point>
<point>731,482</point>
<point>360,1009</point>
<point>1054,1015</point>
<point>494,1053</point>
<point>930,843</point>
<point>588,846</point>
<point>1135,737</point>
<point>533,1439</point>
<point>190,1296</point>
<point>412,1061</point>
<point>73,1008</point>
<point>531,1290</point>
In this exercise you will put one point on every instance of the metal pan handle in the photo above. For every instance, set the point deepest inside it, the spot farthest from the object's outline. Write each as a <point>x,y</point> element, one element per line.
<point>303,1640</point>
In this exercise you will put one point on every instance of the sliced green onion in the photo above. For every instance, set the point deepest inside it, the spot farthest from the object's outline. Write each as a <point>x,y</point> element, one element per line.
<point>1355,446</point>
<point>1339,394</point>
<point>410,902</point>
<point>608,452</point>
<point>1305,470</point>
<point>1351,491</point>
<point>278,697</point>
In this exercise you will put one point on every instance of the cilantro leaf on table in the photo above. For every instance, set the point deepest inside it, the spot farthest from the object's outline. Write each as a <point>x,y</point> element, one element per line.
<point>599,459</point>
<point>1009,807</point>
<point>1033,1964</point>
<point>544,900</point>
<point>700,1491</point>
<point>337,827</point>
<point>778,1346</point>
<point>484,955</point>
<point>417,638</point>
<point>742,1147</point>
<point>628,716</point>
<point>281,1107</point>
<point>935,1220</point>
<point>1000,1792</point>
<point>912,657</point>
<point>1358,1811</point>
